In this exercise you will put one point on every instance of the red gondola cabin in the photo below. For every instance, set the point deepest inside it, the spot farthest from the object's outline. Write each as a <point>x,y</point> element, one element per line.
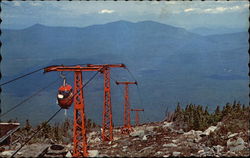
<point>65,96</point>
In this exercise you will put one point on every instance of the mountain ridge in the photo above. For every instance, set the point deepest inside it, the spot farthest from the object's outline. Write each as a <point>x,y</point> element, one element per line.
<point>194,30</point>
<point>108,23</point>
<point>170,66</point>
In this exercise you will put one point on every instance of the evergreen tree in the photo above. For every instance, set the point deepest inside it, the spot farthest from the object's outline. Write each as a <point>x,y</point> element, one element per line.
<point>178,112</point>
<point>191,116</point>
<point>187,107</point>
<point>178,108</point>
<point>16,120</point>
<point>206,113</point>
<point>197,119</point>
<point>200,109</point>
<point>226,110</point>
<point>10,121</point>
<point>238,107</point>
<point>217,111</point>
<point>243,107</point>
<point>94,125</point>
<point>88,123</point>
<point>234,105</point>
<point>27,126</point>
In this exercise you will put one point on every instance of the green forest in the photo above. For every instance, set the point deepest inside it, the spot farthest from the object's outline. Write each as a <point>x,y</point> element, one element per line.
<point>198,118</point>
<point>235,118</point>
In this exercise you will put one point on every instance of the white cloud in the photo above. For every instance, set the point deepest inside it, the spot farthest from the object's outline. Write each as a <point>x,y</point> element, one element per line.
<point>246,5</point>
<point>17,3</point>
<point>216,10</point>
<point>207,10</point>
<point>189,10</point>
<point>179,7</point>
<point>106,11</point>
<point>78,8</point>
<point>223,9</point>
<point>80,13</point>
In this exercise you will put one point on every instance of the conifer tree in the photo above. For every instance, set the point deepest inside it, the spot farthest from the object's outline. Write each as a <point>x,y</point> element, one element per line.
<point>197,118</point>
<point>243,107</point>
<point>226,110</point>
<point>217,114</point>
<point>206,111</point>
<point>27,126</point>
<point>234,105</point>
<point>217,111</point>
<point>178,112</point>
<point>178,108</point>
<point>238,107</point>
<point>187,107</point>
<point>191,116</point>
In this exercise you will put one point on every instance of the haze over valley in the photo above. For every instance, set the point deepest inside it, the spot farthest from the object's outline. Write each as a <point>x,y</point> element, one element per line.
<point>171,64</point>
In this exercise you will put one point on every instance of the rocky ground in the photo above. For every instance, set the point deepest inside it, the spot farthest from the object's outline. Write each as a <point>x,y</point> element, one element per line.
<point>160,139</point>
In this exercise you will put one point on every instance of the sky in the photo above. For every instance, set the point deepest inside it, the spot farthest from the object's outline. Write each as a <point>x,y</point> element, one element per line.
<point>190,14</point>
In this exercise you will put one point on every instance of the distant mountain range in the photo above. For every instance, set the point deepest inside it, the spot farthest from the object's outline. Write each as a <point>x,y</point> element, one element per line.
<point>212,31</point>
<point>171,64</point>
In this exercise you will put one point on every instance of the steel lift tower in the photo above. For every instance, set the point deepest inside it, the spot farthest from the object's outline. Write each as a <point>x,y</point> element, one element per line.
<point>107,122</point>
<point>79,131</point>
<point>127,126</point>
<point>137,120</point>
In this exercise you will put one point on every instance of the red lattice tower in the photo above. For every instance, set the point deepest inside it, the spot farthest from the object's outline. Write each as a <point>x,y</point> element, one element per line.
<point>79,130</point>
<point>107,121</point>
<point>137,119</point>
<point>126,116</point>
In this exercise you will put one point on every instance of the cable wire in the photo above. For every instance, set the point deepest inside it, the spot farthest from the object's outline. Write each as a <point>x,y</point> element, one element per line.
<point>139,92</point>
<point>115,83</point>
<point>38,130</point>
<point>28,98</point>
<point>84,85</point>
<point>90,79</point>
<point>7,82</point>
<point>53,116</point>
<point>138,89</point>
<point>21,77</point>
<point>33,95</point>
<point>130,73</point>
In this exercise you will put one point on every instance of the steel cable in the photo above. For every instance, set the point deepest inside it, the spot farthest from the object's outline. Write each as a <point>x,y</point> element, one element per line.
<point>52,117</point>
<point>139,92</point>
<point>28,98</point>
<point>17,78</point>
<point>115,83</point>
<point>130,73</point>
<point>33,95</point>
<point>38,130</point>
<point>138,89</point>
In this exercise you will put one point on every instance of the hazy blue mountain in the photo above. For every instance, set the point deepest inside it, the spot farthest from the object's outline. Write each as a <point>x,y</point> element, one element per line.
<point>212,31</point>
<point>170,64</point>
